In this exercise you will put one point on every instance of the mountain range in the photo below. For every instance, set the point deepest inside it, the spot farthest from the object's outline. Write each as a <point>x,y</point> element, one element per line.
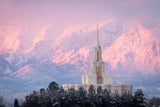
<point>131,54</point>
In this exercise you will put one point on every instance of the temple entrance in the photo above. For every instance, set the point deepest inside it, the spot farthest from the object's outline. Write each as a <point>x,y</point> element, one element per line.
<point>99,78</point>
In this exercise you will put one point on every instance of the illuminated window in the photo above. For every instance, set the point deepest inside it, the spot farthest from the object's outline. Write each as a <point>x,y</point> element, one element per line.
<point>98,72</point>
<point>99,79</point>
<point>97,56</point>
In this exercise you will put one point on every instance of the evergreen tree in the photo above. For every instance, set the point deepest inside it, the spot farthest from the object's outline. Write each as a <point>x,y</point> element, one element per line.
<point>126,100</point>
<point>71,100</point>
<point>99,90</point>
<point>2,102</point>
<point>53,86</point>
<point>82,98</point>
<point>52,90</point>
<point>42,97</point>
<point>139,100</point>
<point>99,97</point>
<point>129,98</point>
<point>61,97</point>
<point>98,100</point>
<point>61,90</point>
<point>16,104</point>
<point>117,101</point>
<point>106,99</point>
<point>92,94</point>
<point>48,102</point>
<point>91,91</point>
<point>57,97</point>
<point>32,100</point>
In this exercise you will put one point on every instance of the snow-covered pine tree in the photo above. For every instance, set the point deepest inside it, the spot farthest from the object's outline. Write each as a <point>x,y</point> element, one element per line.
<point>139,99</point>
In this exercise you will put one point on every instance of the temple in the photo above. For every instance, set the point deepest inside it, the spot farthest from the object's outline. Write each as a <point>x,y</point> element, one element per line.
<point>97,76</point>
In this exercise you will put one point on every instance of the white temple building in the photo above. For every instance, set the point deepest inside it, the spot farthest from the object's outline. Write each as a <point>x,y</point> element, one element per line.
<point>97,76</point>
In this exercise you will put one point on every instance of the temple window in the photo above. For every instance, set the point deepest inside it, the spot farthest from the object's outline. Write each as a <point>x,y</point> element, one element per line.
<point>97,56</point>
<point>98,72</point>
<point>116,91</point>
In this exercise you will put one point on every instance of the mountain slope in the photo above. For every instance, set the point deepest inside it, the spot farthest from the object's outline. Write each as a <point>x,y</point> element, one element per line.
<point>131,55</point>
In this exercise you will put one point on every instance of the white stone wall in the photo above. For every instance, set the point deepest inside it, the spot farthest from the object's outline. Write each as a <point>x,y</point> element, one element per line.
<point>107,79</point>
<point>121,88</point>
<point>89,79</point>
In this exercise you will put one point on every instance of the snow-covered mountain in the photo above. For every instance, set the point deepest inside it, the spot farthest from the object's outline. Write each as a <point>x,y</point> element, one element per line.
<point>132,55</point>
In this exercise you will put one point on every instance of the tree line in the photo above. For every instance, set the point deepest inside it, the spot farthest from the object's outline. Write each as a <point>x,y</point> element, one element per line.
<point>54,96</point>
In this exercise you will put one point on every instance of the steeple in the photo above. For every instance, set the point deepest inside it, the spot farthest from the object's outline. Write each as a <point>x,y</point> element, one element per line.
<point>97,35</point>
<point>97,39</point>
<point>97,49</point>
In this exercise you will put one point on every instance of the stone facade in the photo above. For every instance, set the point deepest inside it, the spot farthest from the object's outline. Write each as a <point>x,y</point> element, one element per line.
<point>97,76</point>
<point>112,88</point>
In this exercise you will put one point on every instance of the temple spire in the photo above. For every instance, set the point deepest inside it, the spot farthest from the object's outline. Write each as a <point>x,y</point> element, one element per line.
<point>97,35</point>
<point>97,38</point>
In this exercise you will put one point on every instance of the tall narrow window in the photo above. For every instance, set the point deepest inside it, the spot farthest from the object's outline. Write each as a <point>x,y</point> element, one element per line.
<point>98,72</point>
<point>116,91</point>
<point>125,91</point>
<point>99,79</point>
<point>97,56</point>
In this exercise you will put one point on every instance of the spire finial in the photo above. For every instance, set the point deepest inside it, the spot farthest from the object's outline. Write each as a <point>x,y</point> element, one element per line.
<point>97,35</point>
